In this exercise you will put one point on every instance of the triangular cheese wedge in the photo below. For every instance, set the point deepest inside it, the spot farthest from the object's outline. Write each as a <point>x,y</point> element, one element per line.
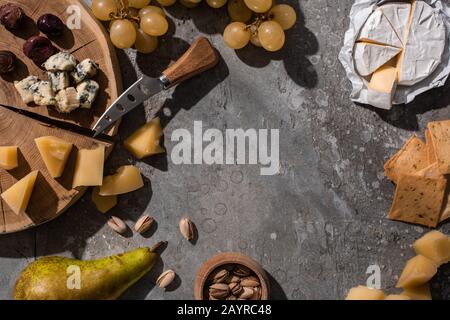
<point>18,196</point>
<point>378,29</point>
<point>54,152</point>
<point>382,86</point>
<point>370,57</point>
<point>398,15</point>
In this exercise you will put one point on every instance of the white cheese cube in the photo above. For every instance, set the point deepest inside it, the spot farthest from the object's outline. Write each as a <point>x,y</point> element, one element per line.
<point>62,61</point>
<point>23,87</point>
<point>87,92</point>
<point>84,70</point>
<point>43,94</point>
<point>67,100</point>
<point>60,80</point>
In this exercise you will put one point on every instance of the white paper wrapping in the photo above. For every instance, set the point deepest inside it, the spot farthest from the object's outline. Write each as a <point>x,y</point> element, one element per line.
<point>359,13</point>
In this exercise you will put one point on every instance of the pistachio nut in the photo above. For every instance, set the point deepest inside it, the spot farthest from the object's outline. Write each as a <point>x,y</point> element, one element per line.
<point>165,279</point>
<point>246,293</point>
<point>235,288</point>
<point>187,229</point>
<point>250,281</point>
<point>241,271</point>
<point>118,225</point>
<point>144,223</point>
<point>219,290</point>
<point>219,276</point>
<point>257,294</point>
<point>232,278</point>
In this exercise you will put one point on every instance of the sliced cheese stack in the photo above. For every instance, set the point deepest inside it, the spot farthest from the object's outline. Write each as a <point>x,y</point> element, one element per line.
<point>400,44</point>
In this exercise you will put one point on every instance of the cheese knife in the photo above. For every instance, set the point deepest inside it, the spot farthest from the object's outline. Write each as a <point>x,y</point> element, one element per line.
<point>200,57</point>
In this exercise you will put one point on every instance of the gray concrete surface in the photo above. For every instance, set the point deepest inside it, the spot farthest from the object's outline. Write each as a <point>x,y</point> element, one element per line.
<point>316,227</point>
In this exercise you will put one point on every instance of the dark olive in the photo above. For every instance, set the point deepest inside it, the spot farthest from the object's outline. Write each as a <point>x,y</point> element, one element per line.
<point>39,49</point>
<point>11,16</point>
<point>7,61</point>
<point>50,25</point>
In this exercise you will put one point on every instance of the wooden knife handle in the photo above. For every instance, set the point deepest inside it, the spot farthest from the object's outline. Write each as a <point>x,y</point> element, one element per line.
<point>200,57</point>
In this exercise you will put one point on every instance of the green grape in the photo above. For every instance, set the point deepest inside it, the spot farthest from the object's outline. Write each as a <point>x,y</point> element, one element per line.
<point>236,35</point>
<point>139,4</point>
<point>271,35</point>
<point>238,11</point>
<point>102,9</point>
<point>145,43</point>
<point>216,3</point>
<point>151,9</point>
<point>259,6</point>
<point>254,39</point>
<point>166,3</point>
<point>154,24</point>
<point>283,14</point>
<point>189,4</point>
<point>123,34</point>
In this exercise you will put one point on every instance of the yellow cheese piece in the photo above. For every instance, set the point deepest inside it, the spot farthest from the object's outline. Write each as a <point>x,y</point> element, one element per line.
<point>397,297</point>
<point>145,141</point>
<point>103,203</point>
<point>382,85</point>
<point>435,246</point>
<point>364,293</point>
<point>418,293</point>
<point>18,196</point>
<point>8,158</point>
<point>89,167</point>
<point>127,179</point>
<point>418,271</point>
<point>55,153</point>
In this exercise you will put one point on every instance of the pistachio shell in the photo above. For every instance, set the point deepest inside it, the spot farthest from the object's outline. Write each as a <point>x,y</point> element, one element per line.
<point>165,279</point>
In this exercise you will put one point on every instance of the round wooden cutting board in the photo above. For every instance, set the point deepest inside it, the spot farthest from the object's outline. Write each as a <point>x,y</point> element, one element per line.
<point>51,197</point>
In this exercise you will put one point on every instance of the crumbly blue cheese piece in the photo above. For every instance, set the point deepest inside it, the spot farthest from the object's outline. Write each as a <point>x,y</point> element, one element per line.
<point>87,92</point>
<point>43,94</point>
<point>60,80</point>
<point>67,100</point>
<point>62,61</point>
<point>23,87</point>
<point>85,69</point>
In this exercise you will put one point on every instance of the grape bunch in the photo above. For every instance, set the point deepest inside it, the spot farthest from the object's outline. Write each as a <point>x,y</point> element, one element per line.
<point>133,22</point>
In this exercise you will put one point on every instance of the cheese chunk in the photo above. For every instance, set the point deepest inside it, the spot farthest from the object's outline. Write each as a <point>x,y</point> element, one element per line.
<point>364,293</point>
<point>9,158</point>
<point>145,141</point>
<point>62,61</point>
<point>398,15</point>
<point>418,293</point>
<point>89,167</point>
<point>377,29</point>
<point>59,80</point>
<point>370,57</point>
<point>103,203</point>
<point>425,45</point>
<point>397,297</point>
<point>67,100</point>
<point>435,246</point>
<point>43,94</point>
<point>418,271</point>
<point>87,92</point>
<point>24,88</point>
<point>55,153</point>
<point>127,179</point>
<point>18,196</point>
<point>85,69</point>
<point>382,86</point>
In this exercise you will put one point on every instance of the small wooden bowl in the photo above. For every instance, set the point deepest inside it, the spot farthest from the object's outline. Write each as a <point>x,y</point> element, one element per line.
<point>229,258</point>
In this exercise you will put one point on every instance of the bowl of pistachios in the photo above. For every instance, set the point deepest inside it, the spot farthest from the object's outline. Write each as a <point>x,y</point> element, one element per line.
<point>231,276</point>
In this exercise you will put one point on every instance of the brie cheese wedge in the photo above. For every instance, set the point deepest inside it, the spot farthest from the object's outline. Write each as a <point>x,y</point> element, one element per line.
<point>378,29</point>
<point>382,86</point>
<point>398,15</point>
<point>370,57</point>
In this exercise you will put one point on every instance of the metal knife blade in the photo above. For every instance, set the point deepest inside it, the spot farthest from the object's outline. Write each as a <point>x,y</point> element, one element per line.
<point>139,92</point>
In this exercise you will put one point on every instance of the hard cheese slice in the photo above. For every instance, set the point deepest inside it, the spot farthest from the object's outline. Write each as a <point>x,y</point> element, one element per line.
<point>370,57</point>
<point>127,179</point>
<point>435,246</point>
<point>89,167</point>
<point>145,141</point>
<point>364,293</point>
<point>398,15</point>
<point>103,203</point>
<point>9,158</point>
<point>422,292</point>
<point>18,196</point>
<point>378,29</point>
<point>418,271</point>
<point>425,45</point>
<point>382,86</point>
<point>54,152</point>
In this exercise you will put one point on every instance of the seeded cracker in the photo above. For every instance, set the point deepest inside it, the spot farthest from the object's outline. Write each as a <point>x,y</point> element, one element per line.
<point>440,136</point>
<point>432,172</point>
<point>411,158</point>
<point>431,154</point>
<point>418,200</point>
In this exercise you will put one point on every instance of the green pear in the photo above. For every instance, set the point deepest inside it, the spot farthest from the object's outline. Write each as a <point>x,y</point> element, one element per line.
<point>59,278</point>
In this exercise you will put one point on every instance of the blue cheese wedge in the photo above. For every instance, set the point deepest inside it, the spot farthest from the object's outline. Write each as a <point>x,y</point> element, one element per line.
<point>60,80</point>
<point>85,69</point>
<point>62,61</point>
<point>67,100</point>
<point>43,94</point>
<point>87,92</point>
<point>24,88</point>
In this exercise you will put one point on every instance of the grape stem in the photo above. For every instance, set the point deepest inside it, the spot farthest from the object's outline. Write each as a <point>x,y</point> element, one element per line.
<point>124,12</point>
<point>259,19</point>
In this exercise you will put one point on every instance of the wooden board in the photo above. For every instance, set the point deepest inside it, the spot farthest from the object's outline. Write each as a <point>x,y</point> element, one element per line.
<point>90,41</point>
<point>51,196</point>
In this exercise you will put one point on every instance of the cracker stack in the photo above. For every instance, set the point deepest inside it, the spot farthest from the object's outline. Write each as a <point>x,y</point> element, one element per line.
<point>419,170</point>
